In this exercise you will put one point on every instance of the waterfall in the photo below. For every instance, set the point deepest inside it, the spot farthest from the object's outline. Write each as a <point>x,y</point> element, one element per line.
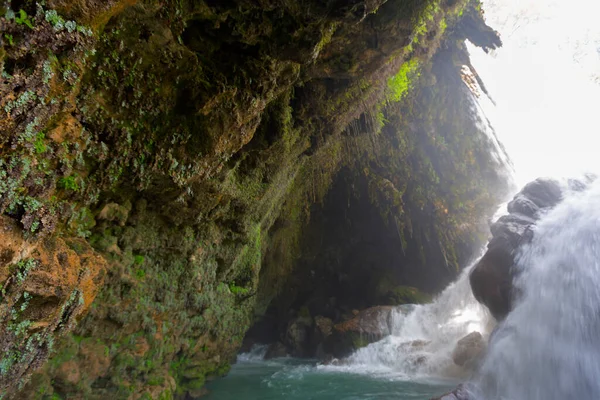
<point>549,345</point>
<point>423,337</point>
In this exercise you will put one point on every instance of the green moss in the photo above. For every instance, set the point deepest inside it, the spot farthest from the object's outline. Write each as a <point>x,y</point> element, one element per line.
<point>10,39</point>
<point>237,290</point>
<point>407,295</point>
<point>69,183</point>
<point>326,37</point>
<point>359,341</point>
<point>399,84</point>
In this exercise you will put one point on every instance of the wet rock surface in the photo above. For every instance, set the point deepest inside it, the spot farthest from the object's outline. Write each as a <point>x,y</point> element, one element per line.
<point>492,277</point>
<point>297,336</point>
<point>366,327</point>
<point>469,350</point>
<point>460,393</point>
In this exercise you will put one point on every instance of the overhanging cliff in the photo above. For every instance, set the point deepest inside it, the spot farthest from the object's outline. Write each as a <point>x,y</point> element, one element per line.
<point>189,148</point>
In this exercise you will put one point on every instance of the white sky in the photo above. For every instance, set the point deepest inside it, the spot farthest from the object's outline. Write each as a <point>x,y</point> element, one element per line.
<point>546,84</point>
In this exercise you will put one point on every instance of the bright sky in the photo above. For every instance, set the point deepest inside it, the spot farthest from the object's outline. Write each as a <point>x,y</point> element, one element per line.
<point>546,84</point>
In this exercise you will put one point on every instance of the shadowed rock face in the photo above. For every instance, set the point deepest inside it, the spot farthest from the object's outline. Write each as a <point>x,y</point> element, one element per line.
<point>492,277</point>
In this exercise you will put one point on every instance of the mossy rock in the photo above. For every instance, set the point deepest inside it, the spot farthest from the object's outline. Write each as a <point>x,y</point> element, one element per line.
<point>406,295</point>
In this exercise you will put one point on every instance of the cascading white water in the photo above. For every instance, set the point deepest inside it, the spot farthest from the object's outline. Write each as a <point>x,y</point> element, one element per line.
<point>423,337</point>
<point>549,345</point>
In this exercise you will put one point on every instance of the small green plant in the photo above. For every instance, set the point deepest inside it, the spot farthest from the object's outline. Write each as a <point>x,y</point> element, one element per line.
<point>39,145</point>
<point>238,290</point>
<point>9,39</point>
<point>399,84</point>
<point>23,268</point>
<point>23,19</point>
<point>54,19</point>
<point>69,183</point>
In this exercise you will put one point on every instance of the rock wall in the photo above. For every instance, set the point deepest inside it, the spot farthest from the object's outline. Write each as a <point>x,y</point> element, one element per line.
<point>179,152</point>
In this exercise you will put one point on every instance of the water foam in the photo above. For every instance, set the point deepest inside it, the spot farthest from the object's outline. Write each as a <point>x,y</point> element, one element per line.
<point>256,353</point>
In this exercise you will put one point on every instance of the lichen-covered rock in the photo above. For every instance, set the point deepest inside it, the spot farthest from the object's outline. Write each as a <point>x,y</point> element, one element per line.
<point>47,286</point>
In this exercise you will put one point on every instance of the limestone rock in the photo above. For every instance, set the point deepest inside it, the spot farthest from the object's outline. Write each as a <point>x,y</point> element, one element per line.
<point>323,326</point>
<point>47,286</point>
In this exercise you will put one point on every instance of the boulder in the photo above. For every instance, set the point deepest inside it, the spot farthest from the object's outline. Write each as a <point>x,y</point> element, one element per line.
<point>297,336</point>
<point>469,350</point>
<point>322,330</point>
<point>323,326</point>
<point>491,279</point>
<point>460,393</point>
<point>366,327</point>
